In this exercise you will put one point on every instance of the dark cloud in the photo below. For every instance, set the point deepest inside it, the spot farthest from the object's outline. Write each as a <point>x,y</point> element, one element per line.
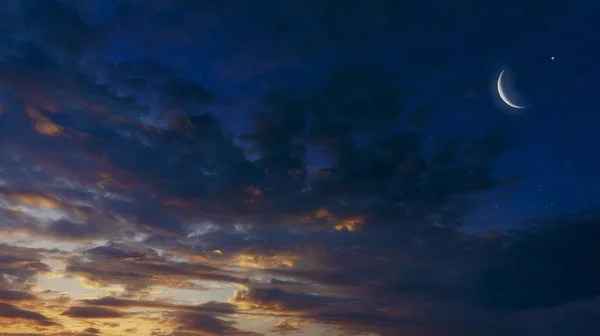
<point>52,22</point>
<point>548,265</point>
<point>276,299</point>
<point>50,334</point>
<point>9,312</point>
<point>18,265</point>
<point>92,313</point>
<point>288,326</point>
<point>211,307</point>
<point>205,318</point>
<point>6,295</point>
<point>138,269</point>
<point>577,316</point>
<point>75,223</point>
<point>69,230</point>
<point>190,324</point>
<point>93,331</point>
<point>270,37</point>
<point>203,175</point>
<point>326,195</point>
<point>490,292</point>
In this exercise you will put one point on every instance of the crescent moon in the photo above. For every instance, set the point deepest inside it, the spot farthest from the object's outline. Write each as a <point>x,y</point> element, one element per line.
<point>503,94</point>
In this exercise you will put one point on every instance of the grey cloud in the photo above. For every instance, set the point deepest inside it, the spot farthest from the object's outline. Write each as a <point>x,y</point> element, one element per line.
<point>7,295</point>
<point>11,312</point>
<point>92,313</point>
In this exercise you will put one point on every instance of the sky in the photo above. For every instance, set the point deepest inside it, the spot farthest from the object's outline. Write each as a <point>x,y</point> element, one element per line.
<point>299,168</point>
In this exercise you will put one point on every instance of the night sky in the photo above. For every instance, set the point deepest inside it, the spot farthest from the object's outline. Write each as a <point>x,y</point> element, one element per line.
<point>299,168</point>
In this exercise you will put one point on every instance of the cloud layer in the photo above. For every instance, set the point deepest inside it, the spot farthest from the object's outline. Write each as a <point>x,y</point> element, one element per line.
<point>271,169</point>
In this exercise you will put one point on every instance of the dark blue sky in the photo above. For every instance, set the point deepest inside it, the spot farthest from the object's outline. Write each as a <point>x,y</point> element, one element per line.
<point>177,168</point>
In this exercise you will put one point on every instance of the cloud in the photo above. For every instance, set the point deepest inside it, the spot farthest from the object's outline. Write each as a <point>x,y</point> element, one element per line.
<point>206,318</point>
<point>211,307</point>
<point>10,312</point>
<point>338,204</point>
<point>190,324</point>
<point>139,269</point>
<point>7,295</point>
<point>65,229</point>
<point>488,294</point>
<point>41,123</point>
<point>92,313</point>
<point>556,253</point>
<point>278,300</point>
<point>577,316</point>
<point>18,265</point>
<point>193,171</point>
<point>287,326</point>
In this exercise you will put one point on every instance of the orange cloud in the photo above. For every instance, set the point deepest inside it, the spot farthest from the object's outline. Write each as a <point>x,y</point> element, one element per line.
<point>265,261</point>
<point>42,201</point>
<point>325,218</point>
<point>350,224</point>
<point>254,191</point>
<point>37,200</point>
<point>289,325</point>
<point>41,123</point>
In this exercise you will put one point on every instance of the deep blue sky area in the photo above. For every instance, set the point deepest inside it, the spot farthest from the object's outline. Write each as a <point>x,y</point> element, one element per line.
<point>299,168</point>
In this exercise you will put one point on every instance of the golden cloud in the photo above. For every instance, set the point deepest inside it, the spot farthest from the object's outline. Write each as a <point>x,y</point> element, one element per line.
<point>41,123</point>
<point>37,200</point>
<point>324,217</point>
<point>265,261</point>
